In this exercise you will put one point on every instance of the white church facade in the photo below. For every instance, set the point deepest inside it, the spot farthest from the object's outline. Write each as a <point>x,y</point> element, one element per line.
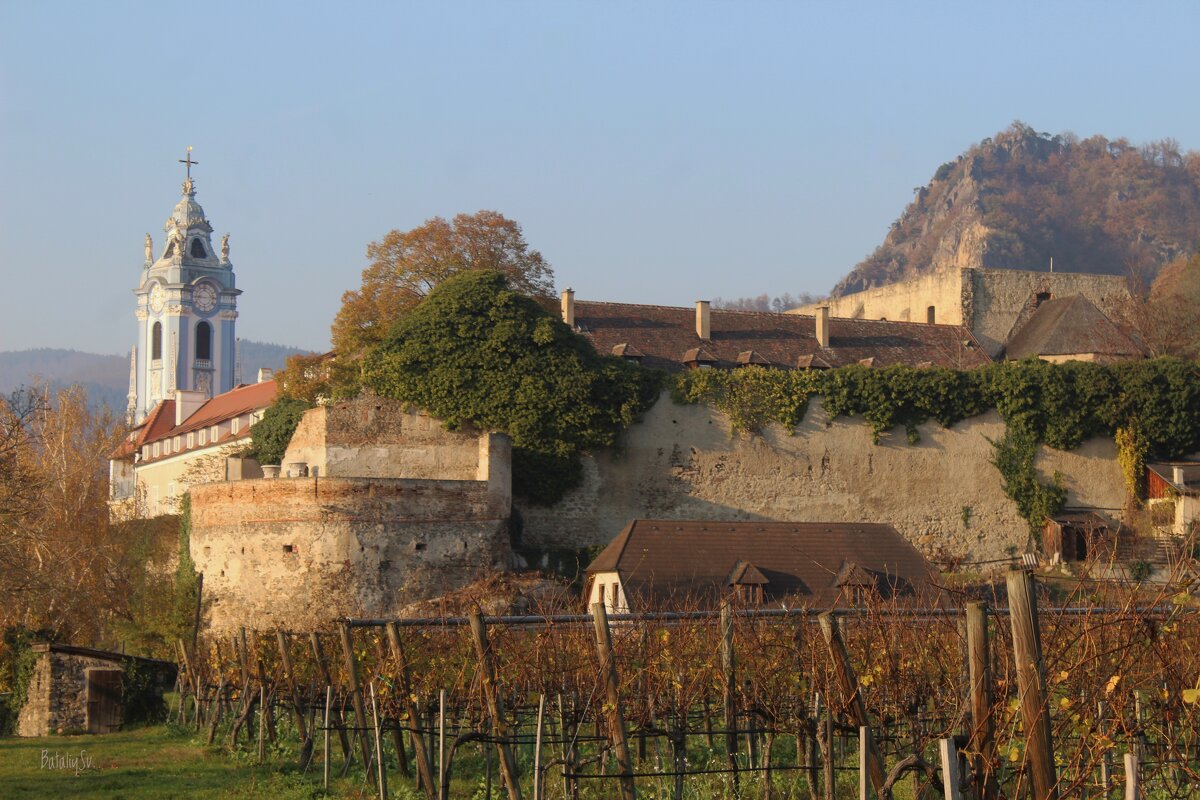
<point>189,412</point>
<point>186,311</point>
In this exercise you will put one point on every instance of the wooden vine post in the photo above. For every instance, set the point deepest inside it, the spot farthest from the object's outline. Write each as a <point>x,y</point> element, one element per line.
<point>1031,683</point>
<point>729,687</point>
<point>242,651</point>
<point>420,752</point>
<point>285,658</point>
<point>508,764</point>
<point>356,695</point>
<point>612,702</point>
<point>979,664</point>
<point>848,682</point>
<point>314,639</point>
<point>191,678</point>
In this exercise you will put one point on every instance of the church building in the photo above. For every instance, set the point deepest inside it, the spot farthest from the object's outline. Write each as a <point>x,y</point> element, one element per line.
<point>189,412</point>
<point>186,311</point>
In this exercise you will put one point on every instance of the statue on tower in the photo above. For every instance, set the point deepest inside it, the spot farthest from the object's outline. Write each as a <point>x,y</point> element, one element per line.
<point>178,240</point>
<point>225,249</point>
<point>149,250</point>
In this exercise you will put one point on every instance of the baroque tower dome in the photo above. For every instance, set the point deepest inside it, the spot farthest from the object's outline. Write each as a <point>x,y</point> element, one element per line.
<point>186,310</point>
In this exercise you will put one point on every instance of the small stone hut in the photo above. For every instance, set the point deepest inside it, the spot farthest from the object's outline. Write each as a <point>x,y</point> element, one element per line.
<point>77,689</point>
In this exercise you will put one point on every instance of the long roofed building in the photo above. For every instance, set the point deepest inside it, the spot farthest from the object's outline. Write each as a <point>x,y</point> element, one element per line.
<point>676,338</point>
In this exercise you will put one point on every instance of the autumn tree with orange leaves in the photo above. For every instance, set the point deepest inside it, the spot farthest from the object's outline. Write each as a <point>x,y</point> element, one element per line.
<point>406,265</point>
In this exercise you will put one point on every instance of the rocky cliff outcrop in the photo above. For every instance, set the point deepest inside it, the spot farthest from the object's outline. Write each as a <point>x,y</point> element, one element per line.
<point>1021,198</point>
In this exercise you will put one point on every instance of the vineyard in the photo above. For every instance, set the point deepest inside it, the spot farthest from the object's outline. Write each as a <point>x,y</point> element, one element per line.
<point>1083,693</point>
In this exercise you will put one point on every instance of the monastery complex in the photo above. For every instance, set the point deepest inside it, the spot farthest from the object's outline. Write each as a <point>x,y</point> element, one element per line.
<point>376,506</point>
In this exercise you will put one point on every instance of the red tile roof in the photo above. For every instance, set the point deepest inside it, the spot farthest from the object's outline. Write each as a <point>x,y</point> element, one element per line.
<point>803,563</point>
<point>160,419</point>
<point>666,337</point>
<point>160,424</point>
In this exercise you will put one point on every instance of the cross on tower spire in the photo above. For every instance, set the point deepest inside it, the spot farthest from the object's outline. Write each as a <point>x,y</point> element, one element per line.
<point>188,185</point>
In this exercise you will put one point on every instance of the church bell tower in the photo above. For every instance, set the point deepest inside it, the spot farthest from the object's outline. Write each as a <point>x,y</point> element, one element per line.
<point>186,311</point>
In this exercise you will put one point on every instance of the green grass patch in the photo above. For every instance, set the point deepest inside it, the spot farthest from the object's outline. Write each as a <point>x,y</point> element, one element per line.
<point>154,762</point>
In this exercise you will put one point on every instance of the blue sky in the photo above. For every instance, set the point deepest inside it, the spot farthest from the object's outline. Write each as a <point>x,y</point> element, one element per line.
<point>654,152</point>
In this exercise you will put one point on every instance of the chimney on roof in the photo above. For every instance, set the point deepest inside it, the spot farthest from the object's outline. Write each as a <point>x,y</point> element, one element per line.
<point>823,326</point>
<point>265,374</point>
<point>568,307</point>
<point>187,403</point>
<point>704,319</point>
<point>1180,478</point>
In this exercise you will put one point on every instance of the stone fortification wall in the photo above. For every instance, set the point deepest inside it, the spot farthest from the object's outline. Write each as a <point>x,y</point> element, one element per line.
<point>682,463</point>
<point>906,301</point>
<point>998,301</point>
<point>990,302</point>
<point>303,552</point>
<point>373,437</point>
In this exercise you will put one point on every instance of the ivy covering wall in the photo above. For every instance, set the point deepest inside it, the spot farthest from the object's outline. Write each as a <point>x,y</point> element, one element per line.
<point>1060,405</point>
<point>476,352</point>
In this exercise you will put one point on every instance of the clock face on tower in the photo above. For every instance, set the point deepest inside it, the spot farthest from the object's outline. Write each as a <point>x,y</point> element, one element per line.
<point>204,297</point>
<point>158,296</point>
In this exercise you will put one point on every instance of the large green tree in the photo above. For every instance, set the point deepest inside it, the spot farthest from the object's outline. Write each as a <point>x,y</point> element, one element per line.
<point>478,351</point>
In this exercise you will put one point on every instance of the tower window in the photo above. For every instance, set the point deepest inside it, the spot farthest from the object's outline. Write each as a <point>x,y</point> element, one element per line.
<point>156,342</point>
<point>198,249</point>
<point>931,315</point>
<point>203,341</point>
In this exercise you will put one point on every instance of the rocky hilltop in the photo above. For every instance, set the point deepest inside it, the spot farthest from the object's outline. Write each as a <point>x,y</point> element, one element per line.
<point>1020,198</point>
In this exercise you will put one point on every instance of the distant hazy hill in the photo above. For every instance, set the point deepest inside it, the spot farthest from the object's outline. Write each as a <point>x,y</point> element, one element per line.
<point>106,378</point>
<point>1021,198</point>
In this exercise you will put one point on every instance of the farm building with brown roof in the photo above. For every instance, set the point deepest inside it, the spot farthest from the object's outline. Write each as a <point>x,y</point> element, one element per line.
<point>687,563</point>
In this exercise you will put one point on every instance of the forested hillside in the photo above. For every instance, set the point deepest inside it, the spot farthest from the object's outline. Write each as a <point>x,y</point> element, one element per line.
<point>1022,197</point>
<point>106,377</point>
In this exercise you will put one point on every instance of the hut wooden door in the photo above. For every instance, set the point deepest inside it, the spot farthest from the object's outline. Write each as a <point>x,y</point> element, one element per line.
<point>103,700</point>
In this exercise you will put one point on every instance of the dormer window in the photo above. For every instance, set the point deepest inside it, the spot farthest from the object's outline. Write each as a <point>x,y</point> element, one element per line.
<point>748,584</point>
<point>749,358</point>
<point>198,249</point>
<point>699,358</point>
<point>857,584</point>
<point>628,351</point>
<point>812,361</point>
